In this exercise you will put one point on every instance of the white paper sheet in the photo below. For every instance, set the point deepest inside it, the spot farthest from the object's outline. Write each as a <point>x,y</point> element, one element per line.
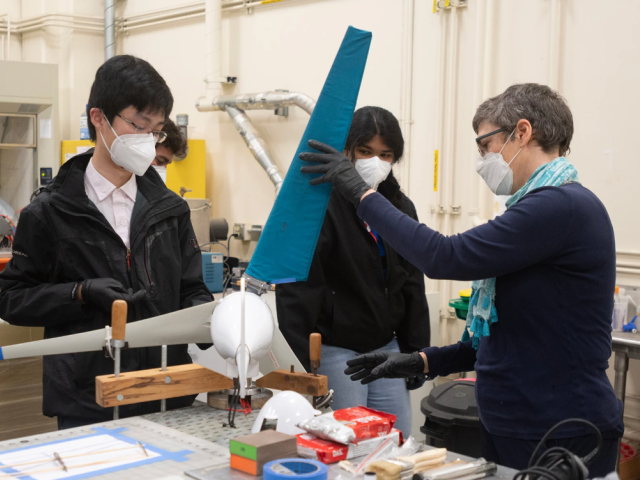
<point>80,456</point>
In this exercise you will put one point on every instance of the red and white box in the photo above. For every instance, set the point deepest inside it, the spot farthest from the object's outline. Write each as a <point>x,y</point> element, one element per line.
<point>350,425</point>
<point>325,451</point>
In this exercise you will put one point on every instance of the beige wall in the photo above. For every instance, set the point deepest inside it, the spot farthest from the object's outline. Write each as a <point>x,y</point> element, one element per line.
<point>291,45</point>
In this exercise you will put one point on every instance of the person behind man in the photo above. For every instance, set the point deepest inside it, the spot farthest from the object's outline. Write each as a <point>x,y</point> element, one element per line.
<point>174,146</point>
<point>105,229</point>
<point>543,270</point>
<point>361,295</point>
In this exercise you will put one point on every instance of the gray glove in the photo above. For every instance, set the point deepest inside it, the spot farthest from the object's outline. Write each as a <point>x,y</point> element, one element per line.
<point>376,365</point>
<point>337,169</point>
<point>102,292</point>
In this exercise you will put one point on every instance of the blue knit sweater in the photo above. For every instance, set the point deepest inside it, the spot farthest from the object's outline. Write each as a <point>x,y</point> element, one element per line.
<point>553,254</point>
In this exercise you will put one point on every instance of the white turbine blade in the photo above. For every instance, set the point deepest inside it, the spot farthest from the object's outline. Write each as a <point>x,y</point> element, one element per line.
<point>190,325</point>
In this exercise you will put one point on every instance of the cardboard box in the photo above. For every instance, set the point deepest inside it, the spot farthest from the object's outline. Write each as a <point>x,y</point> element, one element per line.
<point>325,451</point>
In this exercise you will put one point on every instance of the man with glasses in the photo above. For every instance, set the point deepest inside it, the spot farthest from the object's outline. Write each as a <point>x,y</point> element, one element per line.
<point>174,146</point>
<point>105,229</point>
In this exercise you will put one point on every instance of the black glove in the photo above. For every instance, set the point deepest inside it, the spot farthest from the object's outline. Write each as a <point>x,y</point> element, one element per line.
<point>376,365</point>
<point>337,169</point>
<point>101,293</point>
<point>415,381</point>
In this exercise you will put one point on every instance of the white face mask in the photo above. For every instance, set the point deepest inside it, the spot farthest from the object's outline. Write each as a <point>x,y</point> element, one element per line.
<point>373,171</point>
<point>134,152</point>
<point>496,172</point>
<point>162,171</point>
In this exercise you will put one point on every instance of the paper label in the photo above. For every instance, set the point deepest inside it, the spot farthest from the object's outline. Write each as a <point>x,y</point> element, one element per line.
<point>45,128</point>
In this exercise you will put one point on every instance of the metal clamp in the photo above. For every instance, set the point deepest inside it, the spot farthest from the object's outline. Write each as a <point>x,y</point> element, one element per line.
<point>256,286</point>
<point>111,344</point>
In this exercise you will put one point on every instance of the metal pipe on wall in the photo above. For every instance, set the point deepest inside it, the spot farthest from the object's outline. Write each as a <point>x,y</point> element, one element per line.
<point>406,93</point>
<point>213,53</point>
<point>257,101</point>
<point>554,46</point>
<point>256,144</point>
<point>438,209</point>
<point>478,97</point>
<point>109,29</point>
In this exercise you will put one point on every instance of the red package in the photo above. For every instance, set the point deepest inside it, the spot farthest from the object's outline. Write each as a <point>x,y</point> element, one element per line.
<point>325,451</point>
<point>350,425</point>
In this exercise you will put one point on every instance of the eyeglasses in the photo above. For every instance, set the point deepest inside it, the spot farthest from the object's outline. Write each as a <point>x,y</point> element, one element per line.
<point>160,136</point>
<point>482,149</point>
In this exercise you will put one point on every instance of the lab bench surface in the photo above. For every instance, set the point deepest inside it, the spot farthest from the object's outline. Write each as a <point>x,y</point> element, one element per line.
<point>195,433</point>
<point>205,423</point>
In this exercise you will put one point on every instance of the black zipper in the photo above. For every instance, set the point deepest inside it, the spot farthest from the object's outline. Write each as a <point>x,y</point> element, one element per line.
<point>147,261</point>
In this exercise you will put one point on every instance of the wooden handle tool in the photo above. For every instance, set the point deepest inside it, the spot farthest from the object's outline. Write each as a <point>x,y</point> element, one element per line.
<point>315,351</point>
<point>118,319</point>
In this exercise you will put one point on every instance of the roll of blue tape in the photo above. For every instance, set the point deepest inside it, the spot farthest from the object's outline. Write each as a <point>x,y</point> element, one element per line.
<point>295,468</point>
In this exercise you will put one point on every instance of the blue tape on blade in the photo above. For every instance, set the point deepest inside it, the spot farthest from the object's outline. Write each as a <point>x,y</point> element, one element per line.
<point>1,356</point>
<point>295,469</point>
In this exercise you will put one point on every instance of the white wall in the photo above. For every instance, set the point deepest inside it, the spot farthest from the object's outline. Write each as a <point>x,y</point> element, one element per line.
<point>291,45</point>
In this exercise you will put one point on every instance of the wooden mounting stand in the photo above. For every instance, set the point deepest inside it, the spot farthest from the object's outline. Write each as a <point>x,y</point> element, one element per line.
<point>155,384</point>
<point>302,383</point>
<point>180,380</point>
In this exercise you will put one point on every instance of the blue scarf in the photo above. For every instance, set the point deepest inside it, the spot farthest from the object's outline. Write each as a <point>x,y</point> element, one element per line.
<point>482,310</point>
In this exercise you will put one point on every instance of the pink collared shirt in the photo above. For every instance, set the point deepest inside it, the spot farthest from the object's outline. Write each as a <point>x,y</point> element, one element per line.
<point>116,204</point>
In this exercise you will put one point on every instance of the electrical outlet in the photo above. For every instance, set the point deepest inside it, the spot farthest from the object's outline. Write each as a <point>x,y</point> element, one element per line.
<point>247,233</point>
<point>241,232</point>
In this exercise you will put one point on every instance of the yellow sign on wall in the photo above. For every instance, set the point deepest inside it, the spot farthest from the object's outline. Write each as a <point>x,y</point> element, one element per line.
<point>190,172</point>
<point>435,172</point>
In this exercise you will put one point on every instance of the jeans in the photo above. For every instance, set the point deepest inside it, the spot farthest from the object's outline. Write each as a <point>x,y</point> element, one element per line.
<point>388,395</point>
<point>515,453</point>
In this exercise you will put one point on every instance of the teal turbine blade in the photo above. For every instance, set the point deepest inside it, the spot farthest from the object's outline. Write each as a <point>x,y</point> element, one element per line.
<point>288,241</point>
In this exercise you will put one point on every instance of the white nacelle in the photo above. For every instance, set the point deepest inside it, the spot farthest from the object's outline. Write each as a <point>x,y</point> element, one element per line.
<point>226,334</point>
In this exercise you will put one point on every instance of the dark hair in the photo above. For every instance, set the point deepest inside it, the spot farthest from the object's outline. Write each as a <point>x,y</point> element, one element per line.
<point>175,141</point>
<point>544,108</point>
<point>368,122</point>
<point>124,81</point>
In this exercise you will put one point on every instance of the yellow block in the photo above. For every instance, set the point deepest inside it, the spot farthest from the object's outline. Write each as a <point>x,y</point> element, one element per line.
<point>73,147</point>
<point>190,172</point>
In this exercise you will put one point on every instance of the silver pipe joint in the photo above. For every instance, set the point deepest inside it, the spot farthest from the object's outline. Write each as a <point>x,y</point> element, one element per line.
<point>257,101</point>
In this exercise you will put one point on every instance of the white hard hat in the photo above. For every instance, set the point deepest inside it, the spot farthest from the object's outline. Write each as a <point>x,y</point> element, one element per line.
<point>289,409</point>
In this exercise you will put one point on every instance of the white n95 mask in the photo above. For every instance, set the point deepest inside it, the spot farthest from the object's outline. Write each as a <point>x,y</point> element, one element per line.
<point>134,151</point>
<point>373,171</point>
<point>496,172</point>
<point>162,171</point>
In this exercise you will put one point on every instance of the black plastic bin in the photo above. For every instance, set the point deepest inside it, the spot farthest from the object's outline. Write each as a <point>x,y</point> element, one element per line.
<point>452,418</point>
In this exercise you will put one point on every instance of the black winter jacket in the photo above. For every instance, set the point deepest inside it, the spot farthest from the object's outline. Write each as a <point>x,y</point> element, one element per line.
<point>62,238</point>
<point>347,298</point>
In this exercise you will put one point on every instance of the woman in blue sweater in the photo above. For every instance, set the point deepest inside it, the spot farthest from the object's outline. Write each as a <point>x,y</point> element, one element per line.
<point>539,329</point>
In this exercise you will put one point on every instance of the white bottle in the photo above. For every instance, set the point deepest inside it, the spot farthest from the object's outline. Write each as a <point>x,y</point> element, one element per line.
<point>84,126</point>
<point>620,306</point>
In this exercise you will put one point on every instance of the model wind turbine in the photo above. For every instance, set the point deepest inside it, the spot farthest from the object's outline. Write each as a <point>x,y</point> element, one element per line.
<point>241,325</point>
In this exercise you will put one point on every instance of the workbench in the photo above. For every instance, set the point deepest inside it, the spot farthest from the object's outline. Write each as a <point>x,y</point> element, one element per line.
<point>199,429</point>
<point>626,345</point>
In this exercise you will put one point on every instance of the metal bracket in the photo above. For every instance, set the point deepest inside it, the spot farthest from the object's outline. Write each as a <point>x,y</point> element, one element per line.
<point>256,286</point>
<point>110,344</point>
<point>455,210</point>
<point>323,401</point>
<point>448,4</point>
<point>282,111</point>
<point>438,209</point>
